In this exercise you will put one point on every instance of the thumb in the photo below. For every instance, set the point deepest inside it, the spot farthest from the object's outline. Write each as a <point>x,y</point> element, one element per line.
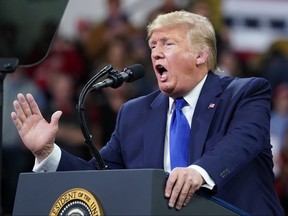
<point>55,118</point>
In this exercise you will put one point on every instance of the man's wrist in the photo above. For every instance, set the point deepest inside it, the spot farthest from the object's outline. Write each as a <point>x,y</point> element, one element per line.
<point>50,163</point>
<point>44,153</point>
<point>208,181</point>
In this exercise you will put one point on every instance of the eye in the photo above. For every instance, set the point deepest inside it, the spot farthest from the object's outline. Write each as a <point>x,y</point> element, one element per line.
<point>169,43</point>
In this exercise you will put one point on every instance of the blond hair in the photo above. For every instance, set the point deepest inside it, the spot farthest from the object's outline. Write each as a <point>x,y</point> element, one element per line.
<point>201,34</point>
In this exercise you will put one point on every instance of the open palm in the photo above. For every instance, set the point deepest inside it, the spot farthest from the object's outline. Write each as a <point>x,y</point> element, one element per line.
<point>36,133</point>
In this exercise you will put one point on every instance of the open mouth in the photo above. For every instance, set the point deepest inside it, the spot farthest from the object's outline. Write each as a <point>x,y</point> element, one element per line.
<point>163,73</point>
<point>160,69</point>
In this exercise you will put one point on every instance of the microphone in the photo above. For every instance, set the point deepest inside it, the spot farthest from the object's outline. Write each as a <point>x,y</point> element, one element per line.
<point>116,79</point>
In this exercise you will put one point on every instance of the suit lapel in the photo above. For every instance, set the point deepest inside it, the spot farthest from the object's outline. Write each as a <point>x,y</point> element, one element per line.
<point>203,114</point>
<point>154,132</point>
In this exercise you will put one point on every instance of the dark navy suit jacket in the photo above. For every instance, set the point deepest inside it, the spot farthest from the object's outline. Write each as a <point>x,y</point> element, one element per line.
<point>229,139</point>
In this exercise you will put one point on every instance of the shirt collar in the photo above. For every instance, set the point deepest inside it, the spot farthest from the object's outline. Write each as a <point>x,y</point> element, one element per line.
<point>191,97</point>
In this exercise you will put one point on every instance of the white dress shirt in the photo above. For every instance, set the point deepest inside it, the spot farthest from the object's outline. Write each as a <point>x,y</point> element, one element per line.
<point>188,111</point>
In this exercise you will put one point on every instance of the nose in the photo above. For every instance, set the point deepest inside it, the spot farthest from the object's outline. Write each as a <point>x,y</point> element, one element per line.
<point>157,53</point>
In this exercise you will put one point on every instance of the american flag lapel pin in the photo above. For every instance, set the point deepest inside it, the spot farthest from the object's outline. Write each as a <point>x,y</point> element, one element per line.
<point>211,106</point>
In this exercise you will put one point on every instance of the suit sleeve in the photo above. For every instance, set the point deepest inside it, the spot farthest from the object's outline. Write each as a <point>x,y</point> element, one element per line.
<point>242,133</point>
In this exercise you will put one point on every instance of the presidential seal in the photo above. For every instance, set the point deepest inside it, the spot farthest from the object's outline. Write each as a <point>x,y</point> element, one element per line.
<point>77,202</point>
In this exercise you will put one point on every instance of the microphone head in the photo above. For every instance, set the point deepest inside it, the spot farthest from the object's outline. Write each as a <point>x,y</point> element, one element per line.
<point>135,72</point>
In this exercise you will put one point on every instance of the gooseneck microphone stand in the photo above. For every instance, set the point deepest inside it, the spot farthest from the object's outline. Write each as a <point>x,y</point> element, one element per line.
<point>81,114</point>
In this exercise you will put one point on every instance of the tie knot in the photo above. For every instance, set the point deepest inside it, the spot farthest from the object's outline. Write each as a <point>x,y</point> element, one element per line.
<point>180,103</point>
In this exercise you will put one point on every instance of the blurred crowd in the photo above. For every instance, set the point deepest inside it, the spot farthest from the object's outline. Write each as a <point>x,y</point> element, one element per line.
<point>57,82</point>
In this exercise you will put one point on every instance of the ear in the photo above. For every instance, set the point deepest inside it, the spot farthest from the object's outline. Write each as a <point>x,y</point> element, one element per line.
<point>202,57</point>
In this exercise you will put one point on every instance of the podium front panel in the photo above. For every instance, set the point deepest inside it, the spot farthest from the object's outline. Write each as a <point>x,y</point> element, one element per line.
<point>120,192</point>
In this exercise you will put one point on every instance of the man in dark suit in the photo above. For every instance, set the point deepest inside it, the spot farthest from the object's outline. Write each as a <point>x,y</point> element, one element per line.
<point>229,151</point>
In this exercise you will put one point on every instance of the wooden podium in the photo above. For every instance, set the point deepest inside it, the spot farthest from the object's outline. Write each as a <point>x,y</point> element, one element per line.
<point>116,192</point>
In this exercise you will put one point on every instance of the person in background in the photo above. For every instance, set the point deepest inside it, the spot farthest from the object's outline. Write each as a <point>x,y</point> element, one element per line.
<point>274,63</point>
<point>225,148</point>
<point>61,88</point>
<point>115,25</point>
<point>279,123</point>
<point>281,183</point>
<point>107,102</point>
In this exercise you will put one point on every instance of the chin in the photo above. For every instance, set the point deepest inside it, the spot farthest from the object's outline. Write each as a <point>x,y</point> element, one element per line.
<point>167,92</point>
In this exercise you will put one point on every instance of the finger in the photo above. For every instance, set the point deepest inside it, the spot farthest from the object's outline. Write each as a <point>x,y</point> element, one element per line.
<point>175,193</point>
<point>16,121</point>
<point>33,105</point>
<point>20,115</point>
<point>24,105</point>
<point>55,118</point>
<point>175,196</point>
<point>188,197</point>
<point>169,184</point>
<point>182,196</point>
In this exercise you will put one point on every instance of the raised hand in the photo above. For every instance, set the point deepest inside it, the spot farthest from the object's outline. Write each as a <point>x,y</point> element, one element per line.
<point>36,133</point>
